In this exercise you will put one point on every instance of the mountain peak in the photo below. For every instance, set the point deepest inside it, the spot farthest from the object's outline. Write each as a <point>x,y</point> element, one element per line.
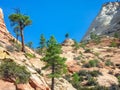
<point>107,21</point>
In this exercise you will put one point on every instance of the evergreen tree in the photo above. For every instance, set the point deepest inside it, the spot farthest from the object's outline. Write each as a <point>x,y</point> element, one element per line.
<point>67,35</point>
<point>54,61</point>
<point>42,45</point>
<point>21,20</point>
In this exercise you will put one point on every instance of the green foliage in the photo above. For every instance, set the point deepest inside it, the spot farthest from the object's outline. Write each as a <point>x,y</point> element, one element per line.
<point>91,81</point>
<point>54,61</point>
<point>29,55</point>
<point>118,77</point>
<point>82,73</point>
<point>87,50</point>
<point>116,35</point>
<point>76,45</point>
<point>94,73</point>
<point>30,45</point>
<point>20,21</point>
<point>52,57</point>
<point>67,35</point>
<point>75,80</point>
<point>92,63</point>
<point>78,57</point>
<point>11,70</point>
<point>83,45</point>
<point>113,44</point>
<point>108,63</point>
<point>42,45</point>
<point>95,38</point>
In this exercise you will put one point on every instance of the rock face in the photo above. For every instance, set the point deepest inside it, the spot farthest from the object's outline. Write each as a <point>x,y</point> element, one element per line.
<point>107,21</point>
<point>2,24</point>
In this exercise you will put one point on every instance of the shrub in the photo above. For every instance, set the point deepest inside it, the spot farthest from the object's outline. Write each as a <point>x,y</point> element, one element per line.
<point>87,50</point>
<point>92,63</point>
<point>78,57</point>
<point>82,73</point>
<point>91,81</point>
<point>10,48</point>
<point>108,63</point>
<point>113,44</point>
<point>95,38</point>
<point>12,71</point>
<point>29,55</point>
<point>94,73</point>
<point>118,77</point>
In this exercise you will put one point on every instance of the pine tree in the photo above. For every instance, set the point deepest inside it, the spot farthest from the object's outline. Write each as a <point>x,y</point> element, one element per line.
<point>54,61</point>
<point>42,45</point>
<point>67,35</point>
<point>21,20</point>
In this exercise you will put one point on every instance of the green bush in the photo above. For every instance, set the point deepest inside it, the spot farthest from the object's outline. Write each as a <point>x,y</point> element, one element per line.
<point>95,38</point>
<point>12,71</point>
<point>29,55</point>
<point>113,44</point>
<point>82,73</point>
<point>94,73</point>
<point>91,81</point>
<point>108,63</point>
<point>118,77</point>
<point>92,63</point>
<point>87,50</point>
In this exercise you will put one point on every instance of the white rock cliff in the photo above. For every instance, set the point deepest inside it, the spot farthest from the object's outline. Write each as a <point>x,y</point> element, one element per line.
<point>107,21</point>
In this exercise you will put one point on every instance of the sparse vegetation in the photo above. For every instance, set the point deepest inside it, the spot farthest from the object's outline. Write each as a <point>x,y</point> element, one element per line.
<point>95,38</point>
<point>92,63</point>
<point>29,55</point>
<point>11,71</point>
<point>90,76</point>
<point>113,44</point>
<point>108,63</point>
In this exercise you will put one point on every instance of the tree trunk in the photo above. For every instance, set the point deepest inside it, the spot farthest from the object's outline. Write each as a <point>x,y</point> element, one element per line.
<point>53,68</point>
<point>22,40</point>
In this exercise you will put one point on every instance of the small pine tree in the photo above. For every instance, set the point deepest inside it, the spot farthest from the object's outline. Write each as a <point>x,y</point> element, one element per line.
<point>42,44</point>
<point>67,35</point>
<point>54,61</point>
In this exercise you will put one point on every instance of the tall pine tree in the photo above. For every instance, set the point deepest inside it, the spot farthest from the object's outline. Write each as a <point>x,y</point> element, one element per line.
<point>54,61</point>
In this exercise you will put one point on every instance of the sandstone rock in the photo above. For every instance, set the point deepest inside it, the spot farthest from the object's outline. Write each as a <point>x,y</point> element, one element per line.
<point>4,85</point>
<point>38,84</point>
<point>68,42</point>
<point>24,87</point>
<point>107,80</point>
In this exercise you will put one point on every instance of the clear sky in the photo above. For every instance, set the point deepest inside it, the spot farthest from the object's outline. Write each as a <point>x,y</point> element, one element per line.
<point>54,17</point>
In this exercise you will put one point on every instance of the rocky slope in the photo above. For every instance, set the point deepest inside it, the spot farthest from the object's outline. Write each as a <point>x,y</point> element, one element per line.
<point>107,21</point>
<point>10,50</point>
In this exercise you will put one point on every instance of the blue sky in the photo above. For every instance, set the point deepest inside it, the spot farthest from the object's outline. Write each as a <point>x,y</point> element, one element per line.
<point>54,17</point>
